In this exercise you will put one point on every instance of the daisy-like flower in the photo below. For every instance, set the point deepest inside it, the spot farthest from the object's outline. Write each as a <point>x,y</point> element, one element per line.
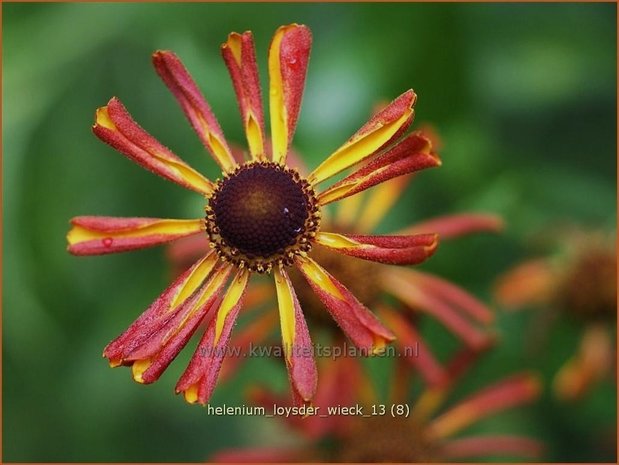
<point>578,283</point>
<point>419,293</point>
<point>399,431</point>
<point>261,217</point>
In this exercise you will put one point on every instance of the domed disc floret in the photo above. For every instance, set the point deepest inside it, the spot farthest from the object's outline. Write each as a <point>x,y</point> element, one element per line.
<point>262,214</point>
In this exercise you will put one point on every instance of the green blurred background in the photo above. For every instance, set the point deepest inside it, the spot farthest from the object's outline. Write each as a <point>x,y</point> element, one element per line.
<point>523,97</point>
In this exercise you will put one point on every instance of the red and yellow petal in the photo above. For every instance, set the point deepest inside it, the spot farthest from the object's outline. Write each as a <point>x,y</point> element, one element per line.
<point>397,281</point>
<point>476,447</point>
<point>514,391</point>
<point>394,250</point>
<point>196,109</point>
<point>240,58</point>
<point>452,226</point>
<point>98,235</point>
<point>382,128</point>
<point>288,57</point>
<point>114,126</point>
<point>296,340</point>
<point>198,381</point>
<point>161,311</point>
<point>414,153</point>
<point>357,322</point>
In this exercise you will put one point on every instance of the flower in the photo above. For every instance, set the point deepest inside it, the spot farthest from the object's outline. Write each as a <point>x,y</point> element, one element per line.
<point>398,431</point>
<point>579,283</point>
<point>419,293</point>
<point>262,216</point>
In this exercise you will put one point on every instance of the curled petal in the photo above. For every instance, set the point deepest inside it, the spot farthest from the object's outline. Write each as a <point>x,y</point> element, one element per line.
<point>407,339</point>
<point>161,311</point>
<point>98,235</point>
<point>414,153</point>
<point>359,324</point>
<point>114,126</point>
<point>395,250</point>
<point>485,446</point>
<point>240,58</point>
<point>288,57</point>
<point>452,226</point>
<point>296,340</point>
<point>382,128</point>
<point>196,109</point>
<point>514,391</point>
<point>198,380</point>
<point>397,282</point>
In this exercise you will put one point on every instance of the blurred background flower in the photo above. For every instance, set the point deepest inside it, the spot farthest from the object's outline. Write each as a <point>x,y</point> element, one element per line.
<point>400,429</point>
<point>576,284</point>
<point>524,98</point>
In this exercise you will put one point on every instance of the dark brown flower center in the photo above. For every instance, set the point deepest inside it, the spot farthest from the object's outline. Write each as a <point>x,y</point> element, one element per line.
<point>261,214</point>
<point>589,288</point>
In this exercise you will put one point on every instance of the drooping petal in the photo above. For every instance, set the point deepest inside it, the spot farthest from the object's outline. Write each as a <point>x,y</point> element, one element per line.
<point>412,347</point>
<point>592,363</point>
<point>296,340</point>
<point>161,310</point>
<point>288,57</point>
<point>382,128</point>
<point>357,322</point>
<point>413,153</point>
<point>452,295</point>
<point>151,358</point>
<point>114,126</point>
<point>98,235</point>
<point>198,380</point>
<point>196,109</point>
<point>487,446</point>
<point>452,226</point>
<point>395,250</point>
<point>240,58</point>
<point>511,392</point>
<point>397,282</point>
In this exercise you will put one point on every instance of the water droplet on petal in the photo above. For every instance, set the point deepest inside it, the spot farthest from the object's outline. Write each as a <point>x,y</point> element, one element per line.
<point>107,242</point>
